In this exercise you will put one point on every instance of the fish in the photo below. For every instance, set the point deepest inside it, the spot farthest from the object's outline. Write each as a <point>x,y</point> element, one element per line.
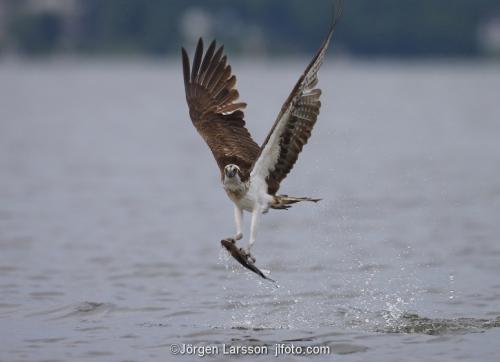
<point>242,257</point>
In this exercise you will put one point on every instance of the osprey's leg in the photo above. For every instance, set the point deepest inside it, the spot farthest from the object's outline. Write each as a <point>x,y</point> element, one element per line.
<point>253,231</point>
<point>238,218</point>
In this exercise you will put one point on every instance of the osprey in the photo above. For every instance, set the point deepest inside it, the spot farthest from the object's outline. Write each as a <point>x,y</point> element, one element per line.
<point>251,175</point>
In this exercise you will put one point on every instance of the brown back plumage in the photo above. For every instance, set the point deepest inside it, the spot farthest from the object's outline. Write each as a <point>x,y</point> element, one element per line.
<point>211,95</point>
<point>295,121</point>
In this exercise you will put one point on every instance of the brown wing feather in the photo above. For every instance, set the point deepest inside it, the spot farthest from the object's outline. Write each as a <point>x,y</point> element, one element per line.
<point>211,96</point>
<point>295,121</point>
<point>302,116</point>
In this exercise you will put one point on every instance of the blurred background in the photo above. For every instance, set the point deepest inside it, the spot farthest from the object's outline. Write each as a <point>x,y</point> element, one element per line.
<point>111,207</point>
<point>387,28</point>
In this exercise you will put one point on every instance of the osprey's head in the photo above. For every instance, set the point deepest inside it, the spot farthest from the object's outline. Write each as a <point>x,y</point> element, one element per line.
<point>232,171</point>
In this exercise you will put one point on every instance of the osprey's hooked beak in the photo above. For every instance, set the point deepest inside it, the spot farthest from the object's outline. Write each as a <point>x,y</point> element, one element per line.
<point>231,171</point>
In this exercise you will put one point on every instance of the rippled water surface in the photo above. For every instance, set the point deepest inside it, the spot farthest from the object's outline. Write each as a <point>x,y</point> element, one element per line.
<point>111,213</point>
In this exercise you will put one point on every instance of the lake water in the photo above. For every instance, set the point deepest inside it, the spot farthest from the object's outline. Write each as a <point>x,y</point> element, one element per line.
<point>111,213</point>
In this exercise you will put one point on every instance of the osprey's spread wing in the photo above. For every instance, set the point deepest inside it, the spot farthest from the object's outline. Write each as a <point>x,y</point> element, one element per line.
<point>211,96</point>
<point>295,122</point>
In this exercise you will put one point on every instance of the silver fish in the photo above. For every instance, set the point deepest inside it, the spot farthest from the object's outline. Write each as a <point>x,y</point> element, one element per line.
<point>242,257</point>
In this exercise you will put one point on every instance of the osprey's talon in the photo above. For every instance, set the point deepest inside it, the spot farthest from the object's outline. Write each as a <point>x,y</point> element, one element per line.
<point>246,253</point>
<point>234,238</point>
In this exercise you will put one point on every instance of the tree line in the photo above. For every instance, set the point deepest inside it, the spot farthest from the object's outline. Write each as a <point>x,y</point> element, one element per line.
<point>403,28</point>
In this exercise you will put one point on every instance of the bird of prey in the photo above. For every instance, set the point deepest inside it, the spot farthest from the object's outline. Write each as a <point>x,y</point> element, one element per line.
<point>251,175</point>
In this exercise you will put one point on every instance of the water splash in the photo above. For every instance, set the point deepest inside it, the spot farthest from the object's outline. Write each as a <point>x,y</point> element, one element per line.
<point>413,323</point>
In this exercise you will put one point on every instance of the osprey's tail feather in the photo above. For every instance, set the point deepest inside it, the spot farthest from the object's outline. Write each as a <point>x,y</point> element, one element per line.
<point>284,202</point>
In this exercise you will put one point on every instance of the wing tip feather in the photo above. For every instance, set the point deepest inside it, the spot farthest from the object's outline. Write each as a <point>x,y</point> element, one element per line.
<point>198,55</point>
<point>185,68</point>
